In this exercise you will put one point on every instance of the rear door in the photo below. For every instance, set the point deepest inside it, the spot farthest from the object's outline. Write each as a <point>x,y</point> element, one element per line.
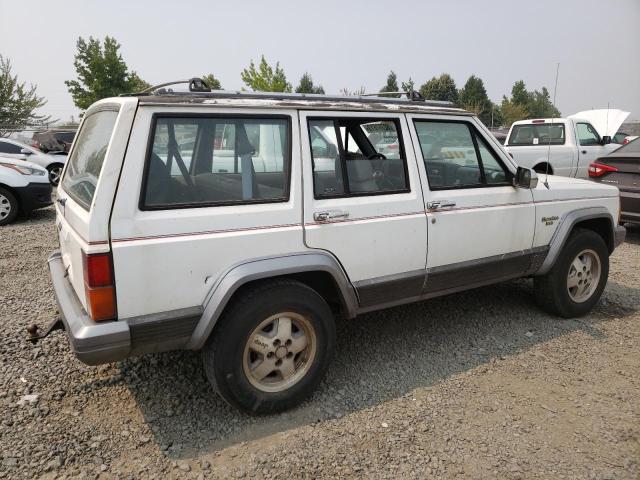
<point>363,201</point>
<point>87,189</point>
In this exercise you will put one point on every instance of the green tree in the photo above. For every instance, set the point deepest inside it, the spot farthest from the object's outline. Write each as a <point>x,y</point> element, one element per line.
<point>512,112</point>
<point>473,97</point>
<point>18,103</point>
<point>440,88</point>
<point>408,86</point>
<point>306,85</point>
<point>265,78</point>
<point>212,82</point>
<point>540,105</point>
<point>101,73</point>
<point>524,104</point>
<point>391,85</point>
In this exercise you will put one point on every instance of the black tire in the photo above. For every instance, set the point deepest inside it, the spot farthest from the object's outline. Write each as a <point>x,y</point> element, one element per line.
<point>224,353</point>
<point>9,202</point>
<point>551,289</point>
<point>55,171</point>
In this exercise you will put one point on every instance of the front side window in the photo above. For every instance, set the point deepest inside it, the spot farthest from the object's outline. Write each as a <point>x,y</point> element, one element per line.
<point>355,156</point>
<point>6,147</point>
<point>206,161</point>
<point>537,134</point>
<point>587,135</point>
<point>455,156</point>
<point>82,174</point>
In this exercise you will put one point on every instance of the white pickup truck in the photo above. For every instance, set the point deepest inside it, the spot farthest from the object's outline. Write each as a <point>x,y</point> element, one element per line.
<point>567,145</point>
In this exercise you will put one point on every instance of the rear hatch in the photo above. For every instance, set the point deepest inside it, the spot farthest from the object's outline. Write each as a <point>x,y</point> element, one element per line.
<point>88,186</point>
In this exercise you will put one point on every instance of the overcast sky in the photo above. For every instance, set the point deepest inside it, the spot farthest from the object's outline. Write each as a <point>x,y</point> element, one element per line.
<point>342,43</point>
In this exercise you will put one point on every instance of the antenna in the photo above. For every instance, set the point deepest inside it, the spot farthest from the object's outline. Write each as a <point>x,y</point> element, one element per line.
<point>555,90</point>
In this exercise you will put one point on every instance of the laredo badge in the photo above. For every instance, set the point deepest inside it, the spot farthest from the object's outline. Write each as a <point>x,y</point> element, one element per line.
<point>549,220</point>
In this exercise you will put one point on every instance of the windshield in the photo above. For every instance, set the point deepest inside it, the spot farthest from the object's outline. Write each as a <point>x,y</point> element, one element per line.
<point>537,134</point>
<point>85,164</point>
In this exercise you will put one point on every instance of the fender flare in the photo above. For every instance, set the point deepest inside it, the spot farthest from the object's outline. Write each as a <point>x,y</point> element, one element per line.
<point>560,236</point>
<point>264,268</point>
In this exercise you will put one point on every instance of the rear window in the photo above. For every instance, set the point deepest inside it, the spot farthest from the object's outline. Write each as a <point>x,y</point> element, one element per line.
<point>537,134</point>
<point>85,164</point>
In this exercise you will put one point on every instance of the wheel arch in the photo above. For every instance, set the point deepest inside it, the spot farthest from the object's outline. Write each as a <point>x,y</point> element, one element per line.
<point>318,270</point>
<point>541,167</point>
<point>597,219</point>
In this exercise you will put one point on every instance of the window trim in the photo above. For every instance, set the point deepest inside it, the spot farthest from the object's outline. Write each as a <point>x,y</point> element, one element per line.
<point>102,108</point>
<point>287,160</point>
<point>343,164</point>
<point>474,134</point>
<point>564,137</point>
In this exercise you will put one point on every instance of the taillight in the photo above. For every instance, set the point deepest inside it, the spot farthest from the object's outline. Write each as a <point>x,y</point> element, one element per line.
<point>598,169</point>
<point>99,286</point>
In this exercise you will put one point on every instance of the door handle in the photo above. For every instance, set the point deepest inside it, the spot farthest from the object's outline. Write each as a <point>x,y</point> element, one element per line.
<point>329,215</point>
<point>440,204</point>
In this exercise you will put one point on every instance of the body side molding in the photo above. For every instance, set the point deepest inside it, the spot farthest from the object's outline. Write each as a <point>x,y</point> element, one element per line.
<point>258,269</point>
<point>568,221</point>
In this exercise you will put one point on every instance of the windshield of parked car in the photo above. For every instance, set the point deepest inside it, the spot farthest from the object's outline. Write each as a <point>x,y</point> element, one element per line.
<point>81,177</point>
<point>537,134</point>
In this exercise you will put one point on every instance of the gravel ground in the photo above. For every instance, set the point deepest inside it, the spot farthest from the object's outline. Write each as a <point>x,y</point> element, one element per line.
<point>476,385</point>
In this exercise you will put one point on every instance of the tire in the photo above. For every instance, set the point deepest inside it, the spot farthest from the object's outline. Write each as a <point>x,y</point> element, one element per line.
<point>553,291</point>
<point>252,333</point>
<point>55,171</point>
<point>8,207</point>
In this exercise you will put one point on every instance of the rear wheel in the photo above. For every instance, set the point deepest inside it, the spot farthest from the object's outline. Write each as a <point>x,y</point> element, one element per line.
<point>271,348</point>
<point>576,281</point>
<point>8,206</point>
<point>55,171</point>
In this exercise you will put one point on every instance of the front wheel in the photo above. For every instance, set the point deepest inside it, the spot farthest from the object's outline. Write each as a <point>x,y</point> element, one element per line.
<point>55,171</point>
<point>8,206</point>
<point>576,281</point>
<point>271,348</point>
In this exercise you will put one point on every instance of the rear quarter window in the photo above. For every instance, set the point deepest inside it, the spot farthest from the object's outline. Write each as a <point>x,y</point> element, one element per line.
<point>82,174</point>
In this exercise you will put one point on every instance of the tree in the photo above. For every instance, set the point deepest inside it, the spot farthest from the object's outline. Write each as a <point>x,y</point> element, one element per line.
<point>519,94</point>
<point>306,85</point>
<point>265,78</point>
<point>473,97</point>
<point>540,105</point>
<point>18,102</point>
<point>101,73</point>
<point>358,92</point>
<point>212,82</point>
<point>441,88</point>
<point>512,112</point>
<point>408,86</point>
<point>391,85</point>
<point>524,104</point>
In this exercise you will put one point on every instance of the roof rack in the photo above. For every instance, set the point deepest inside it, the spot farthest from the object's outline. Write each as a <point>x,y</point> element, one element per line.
<point>199,88</point>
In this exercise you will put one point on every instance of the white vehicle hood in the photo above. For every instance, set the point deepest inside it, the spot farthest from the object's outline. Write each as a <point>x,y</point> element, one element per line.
<point>565,188</point>
<point>605,121</point>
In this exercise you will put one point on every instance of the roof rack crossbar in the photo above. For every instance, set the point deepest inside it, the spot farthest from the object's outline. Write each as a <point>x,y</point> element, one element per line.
<point>412,95</point>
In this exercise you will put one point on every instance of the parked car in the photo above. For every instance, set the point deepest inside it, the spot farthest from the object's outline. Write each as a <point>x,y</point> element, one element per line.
<point>55,140</point>
<point>19,151</point>
<point>252,265</point>
<point>619,138</point>
<point>622,169</point>
<point>561,146</point>
<point>24,187</point>
<point>629,138</point>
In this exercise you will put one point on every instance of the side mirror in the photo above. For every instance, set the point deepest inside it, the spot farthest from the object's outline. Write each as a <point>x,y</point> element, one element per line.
<point>525,178</point>
<point>606,140</point>
<point>26,151</point>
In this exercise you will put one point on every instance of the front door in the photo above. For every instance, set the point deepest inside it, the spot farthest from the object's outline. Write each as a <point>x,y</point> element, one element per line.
<point>363,201</point>
<point>590,148</point>
<point>480,226</point>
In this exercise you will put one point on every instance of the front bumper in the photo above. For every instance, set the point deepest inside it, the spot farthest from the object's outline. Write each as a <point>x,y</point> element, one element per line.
<point>619,235</point>
<point>93,343</point>
<point>34,196</point>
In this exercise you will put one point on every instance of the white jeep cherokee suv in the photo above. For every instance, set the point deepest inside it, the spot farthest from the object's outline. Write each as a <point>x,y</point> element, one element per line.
<point>242,225</point>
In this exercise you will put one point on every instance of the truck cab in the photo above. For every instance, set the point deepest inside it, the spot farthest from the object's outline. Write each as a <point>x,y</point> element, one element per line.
<point>557,146</point>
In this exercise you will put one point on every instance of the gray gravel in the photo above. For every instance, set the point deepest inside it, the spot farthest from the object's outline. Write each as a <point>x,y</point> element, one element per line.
<point>480,384</point>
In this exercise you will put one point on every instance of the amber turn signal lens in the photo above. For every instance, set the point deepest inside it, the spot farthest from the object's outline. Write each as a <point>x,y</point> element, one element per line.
<point>101,303</point>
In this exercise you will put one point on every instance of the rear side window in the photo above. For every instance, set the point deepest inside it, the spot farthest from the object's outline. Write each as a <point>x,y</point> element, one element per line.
<point>354,156</point>
<point>85,164</point>
<point>207,161</point>
<point>455,156</point>
<point>6,147</point>
<point>537,134</point>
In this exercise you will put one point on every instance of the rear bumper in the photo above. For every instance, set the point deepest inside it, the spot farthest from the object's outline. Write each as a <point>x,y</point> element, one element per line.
<point>619,235</point>
<point>93,343</point>
<point>630,206</point>
<point>34,196</point>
